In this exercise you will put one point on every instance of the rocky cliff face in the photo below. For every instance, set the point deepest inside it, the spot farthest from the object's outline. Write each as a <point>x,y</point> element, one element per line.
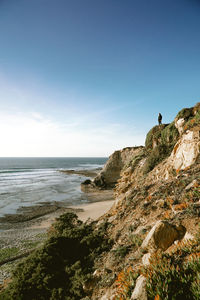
<point>157,203</point>
<point>168,147</point>
<point>108,177</point>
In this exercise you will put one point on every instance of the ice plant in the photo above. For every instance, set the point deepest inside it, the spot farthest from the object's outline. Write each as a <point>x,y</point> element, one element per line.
<point>125,283</point>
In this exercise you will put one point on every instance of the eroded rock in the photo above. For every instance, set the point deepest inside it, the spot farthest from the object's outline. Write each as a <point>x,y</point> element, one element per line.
<point>162,236</point>
<point>179,123</point>
<point>192,184</point>
<point>108,177</point>
<point>146,258</point>
<point>186,150</point>
<point>139,292</point>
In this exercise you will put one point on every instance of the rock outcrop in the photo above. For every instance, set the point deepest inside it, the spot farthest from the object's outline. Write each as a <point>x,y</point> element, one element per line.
<point>162,236</point>
<point>186,149</point>
<point>108,177</point>
<point>139,292</point>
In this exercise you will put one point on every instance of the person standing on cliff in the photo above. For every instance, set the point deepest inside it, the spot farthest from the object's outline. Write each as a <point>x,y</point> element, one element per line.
<point>159,119</point>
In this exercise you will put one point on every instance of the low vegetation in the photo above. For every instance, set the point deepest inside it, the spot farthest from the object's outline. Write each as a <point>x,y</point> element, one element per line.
<point>175,275</point>
<point>191,116</point>
<point>172,275</point>
<point>63,265</point>
<point>157,155</point>
<point>5,253</point>
<point>121,251</point>
<point>159,143</point>
<point>125,283</point>
<point>133,163</point>
<point>154,133</point>
<point>185,113</point>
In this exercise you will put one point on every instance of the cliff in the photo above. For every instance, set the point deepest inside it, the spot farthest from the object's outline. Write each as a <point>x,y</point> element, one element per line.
<point>157,203</point>
<point>147,246</point>
<point>108,177</point>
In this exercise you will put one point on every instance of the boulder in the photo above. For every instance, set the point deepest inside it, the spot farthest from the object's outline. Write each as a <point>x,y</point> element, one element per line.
<point>109,295</point>
<point>162,236</point>
<point>86,182</point>
<point>192,184</point>
<point>146,258</point>
<point>179,123</point>
<point>188,237</point>
<point>87,186</point>
<point>139,292</point>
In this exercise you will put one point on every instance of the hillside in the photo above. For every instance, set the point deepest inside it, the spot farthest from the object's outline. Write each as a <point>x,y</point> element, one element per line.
<point>147,245</point>
<point>159,189</point>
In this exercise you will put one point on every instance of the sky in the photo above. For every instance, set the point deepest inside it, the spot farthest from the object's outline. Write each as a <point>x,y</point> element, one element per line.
<point>88,77</point>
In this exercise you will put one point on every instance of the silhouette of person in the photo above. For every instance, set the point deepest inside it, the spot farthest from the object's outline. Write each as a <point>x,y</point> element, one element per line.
<point>159,119</point>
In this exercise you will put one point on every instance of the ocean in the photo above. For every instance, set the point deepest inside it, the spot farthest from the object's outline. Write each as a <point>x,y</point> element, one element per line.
<point>30,181</point>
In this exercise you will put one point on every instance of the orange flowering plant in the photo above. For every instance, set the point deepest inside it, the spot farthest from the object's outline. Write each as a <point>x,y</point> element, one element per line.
<point>125,283</point>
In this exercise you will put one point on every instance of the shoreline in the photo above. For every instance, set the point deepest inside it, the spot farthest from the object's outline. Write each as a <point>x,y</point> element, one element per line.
<point>84,212</point>
<point>87,173</point>
<point>26,217</point>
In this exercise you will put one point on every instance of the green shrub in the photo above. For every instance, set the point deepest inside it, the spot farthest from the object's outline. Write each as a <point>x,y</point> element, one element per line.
<point>185,113</point>
<point>136,240</point>
<point>169,135</point>
<point>6,253</point>
<point>165,135</point>
<point>154,133</point>
<point>134,161</point>
<point>191,116</point>
<point>192,121</point>
<point>121,251</point>
<point>174,281</point>
<point>159,153</point>
<point>59,269</point>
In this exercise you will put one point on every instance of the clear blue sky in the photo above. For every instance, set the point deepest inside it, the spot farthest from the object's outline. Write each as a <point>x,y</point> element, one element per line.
<point>87,77</point>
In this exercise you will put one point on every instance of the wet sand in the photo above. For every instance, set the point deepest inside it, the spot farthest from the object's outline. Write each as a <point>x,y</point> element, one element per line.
<point>86,173</point>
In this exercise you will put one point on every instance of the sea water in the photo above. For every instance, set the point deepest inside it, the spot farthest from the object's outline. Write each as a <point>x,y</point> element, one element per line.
<point>30,181</point>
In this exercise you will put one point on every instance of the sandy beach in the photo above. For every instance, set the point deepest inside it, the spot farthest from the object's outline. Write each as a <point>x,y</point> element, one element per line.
<point>84,212</point>
<point>94,210</point>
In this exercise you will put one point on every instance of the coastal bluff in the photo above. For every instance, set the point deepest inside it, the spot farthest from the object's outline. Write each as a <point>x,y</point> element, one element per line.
<point>110,173</point>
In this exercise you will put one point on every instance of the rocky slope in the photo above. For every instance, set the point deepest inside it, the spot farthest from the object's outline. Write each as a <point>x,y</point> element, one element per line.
<point>157,205</point>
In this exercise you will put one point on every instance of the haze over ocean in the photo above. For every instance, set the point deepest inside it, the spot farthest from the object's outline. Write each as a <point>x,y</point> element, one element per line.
<point>30,181</point>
